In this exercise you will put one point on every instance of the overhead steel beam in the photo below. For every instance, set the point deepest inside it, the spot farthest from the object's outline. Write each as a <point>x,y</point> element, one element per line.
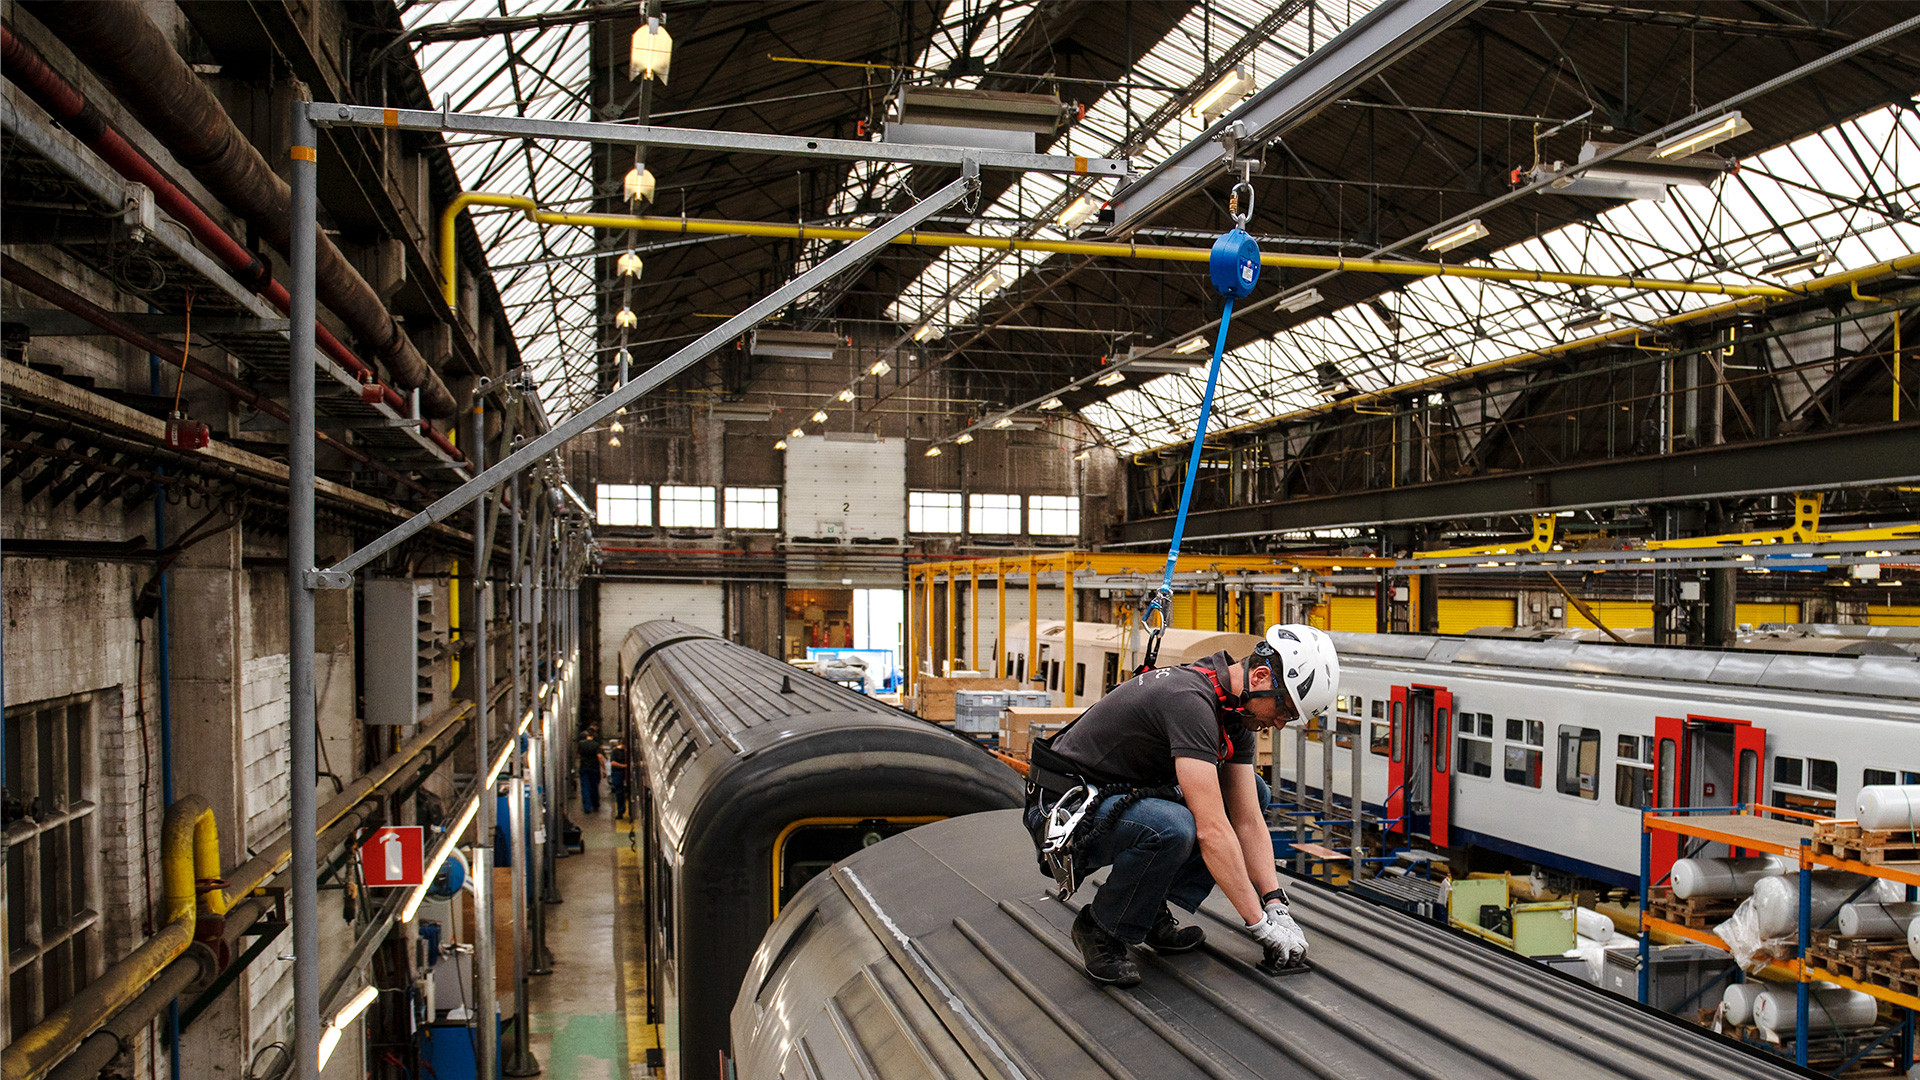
<point>735,142</point>
<point>1858,457</point>
<point>1357,54</point>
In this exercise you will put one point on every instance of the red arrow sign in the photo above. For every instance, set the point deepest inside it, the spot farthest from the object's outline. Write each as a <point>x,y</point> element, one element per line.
<point>394,855</point>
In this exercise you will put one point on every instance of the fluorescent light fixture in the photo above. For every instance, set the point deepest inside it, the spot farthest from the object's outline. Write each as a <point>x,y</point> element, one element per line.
<point>794,344</point>
<point>1077,213</point>
<point>990,284</point>
<point>880,367</point>
<point>355,1006</point>
<point>820,416</point>
<point>1589,320</point>
<point>1167,366</point>
<point>1191,345</point>
<point>1111,378</point>
<point>1442,358</point>
<point>629,264</point>
<point>447,842</point>
<point>845,395</point>
<point>740,410</point>
<point>651,54</point>
<point>1301,301</point>
<point>797,433</point>
<point>329,1038</point>
<point>933,451</point>
<point>1217,98</point>
<point>1385,314</point>
<point>1798,264</point>
<point>638,185</point>
<point>1711,133</point>
<point>1051,403</point>
<point>781,445</point>
<point>1082,455</point>
<point>926,331</point>
<point>1003,422</point>
<point>626,319</point>
<point>963,438</point>
<point>1457,237</point>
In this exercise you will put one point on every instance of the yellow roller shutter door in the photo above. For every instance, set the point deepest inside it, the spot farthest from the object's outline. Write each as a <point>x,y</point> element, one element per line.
<point>1352,614</point>
<point>1459,614</point>
<point>1893,615</point>
<point>1756,614</point>
<point>1617,614</point>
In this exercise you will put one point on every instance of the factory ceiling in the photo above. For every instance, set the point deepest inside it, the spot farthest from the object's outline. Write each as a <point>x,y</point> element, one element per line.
<point>1824,175</point>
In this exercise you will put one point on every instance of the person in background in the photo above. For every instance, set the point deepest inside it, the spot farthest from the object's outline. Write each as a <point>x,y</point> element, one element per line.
<point>617,777</point>
<point>592,763</point>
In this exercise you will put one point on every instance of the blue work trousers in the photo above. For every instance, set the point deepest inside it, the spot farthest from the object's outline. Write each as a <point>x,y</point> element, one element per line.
<point>1154,850</point>
<point>590,788</point>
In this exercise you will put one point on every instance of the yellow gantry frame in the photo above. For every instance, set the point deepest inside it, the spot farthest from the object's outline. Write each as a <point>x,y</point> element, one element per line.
<point>1804,530</point>
<point>1541,541</point>
<point>924,604</point>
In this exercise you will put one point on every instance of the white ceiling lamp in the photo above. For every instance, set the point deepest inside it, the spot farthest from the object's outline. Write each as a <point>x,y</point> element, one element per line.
<point>1460,236</point>
<point>880,367</point>
<point>613,440</point>
<point>797,433</point>
<point>1712,133</point>
<point>1003,422</point>
<point>933,451</point>
<point>652,52</point>
<point>616,427</point>
<point>963,438</point>
<point>1191,345</point>
<point>846,395</point>
<point>926,331</point>
<point>1077,213</point>
<point>1082,455</point>
<point>1051,403</point>
<point>638,186</point>
<point>781,445</point>
<point>1111,378</point>
<point>1222,95</point>
<point>348,1013</point>
<point>626,319</point>
<point>1301,301</point>
<point>992,283</point>
<point>1798,264</point>
<point>629,265</point>
<point>820,416</point>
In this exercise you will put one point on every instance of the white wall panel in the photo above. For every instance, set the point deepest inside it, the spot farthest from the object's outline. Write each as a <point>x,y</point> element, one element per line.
<point>625,604</point>
<point>850,487</point>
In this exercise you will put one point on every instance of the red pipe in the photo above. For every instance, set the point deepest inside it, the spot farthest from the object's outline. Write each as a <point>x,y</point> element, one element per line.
<point>30,71</point>
<point>789,554</point>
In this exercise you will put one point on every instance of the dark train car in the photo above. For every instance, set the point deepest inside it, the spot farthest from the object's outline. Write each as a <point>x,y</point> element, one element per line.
<point>940,954</point>
<point>754,778</point>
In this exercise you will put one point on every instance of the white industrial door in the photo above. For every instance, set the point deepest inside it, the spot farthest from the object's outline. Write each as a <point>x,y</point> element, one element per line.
<point>626,604</point>
<point>847,486</point>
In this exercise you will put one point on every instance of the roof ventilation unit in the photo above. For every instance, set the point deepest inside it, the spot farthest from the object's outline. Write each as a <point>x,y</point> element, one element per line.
<point>984,119</point>
<point>797,344</point>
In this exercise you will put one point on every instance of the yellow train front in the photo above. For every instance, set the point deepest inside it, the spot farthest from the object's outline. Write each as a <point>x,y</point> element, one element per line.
<point>753,778</point>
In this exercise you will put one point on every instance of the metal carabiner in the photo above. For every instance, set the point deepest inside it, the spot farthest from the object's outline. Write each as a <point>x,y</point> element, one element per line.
<point>1234,203</point>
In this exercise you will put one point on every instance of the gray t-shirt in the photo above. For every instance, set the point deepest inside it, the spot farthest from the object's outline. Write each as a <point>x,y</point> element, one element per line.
<point>1132,735</point>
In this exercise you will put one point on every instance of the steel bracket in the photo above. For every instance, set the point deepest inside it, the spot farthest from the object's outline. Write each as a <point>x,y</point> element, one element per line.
<point>327,579</point>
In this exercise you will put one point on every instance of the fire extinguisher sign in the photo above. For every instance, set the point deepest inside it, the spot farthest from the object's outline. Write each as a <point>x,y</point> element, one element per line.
<point>394,855</point>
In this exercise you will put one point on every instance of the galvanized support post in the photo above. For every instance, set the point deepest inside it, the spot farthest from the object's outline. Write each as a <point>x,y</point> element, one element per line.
<point>1646,886</point>
<point>1804,935</point>
<point>1299,816</point>
<point>522,1063</point>
<point>1357,844</point>
<point>485,989</point>
<point>301,736</point>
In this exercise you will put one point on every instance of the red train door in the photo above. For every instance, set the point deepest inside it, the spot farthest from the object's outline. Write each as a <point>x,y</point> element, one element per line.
<point>1704,761</point>
<point>1440,786</point>
<point>1397,743</point>
<point>1669,787</point>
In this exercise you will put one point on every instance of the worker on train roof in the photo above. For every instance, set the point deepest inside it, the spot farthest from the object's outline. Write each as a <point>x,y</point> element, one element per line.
<point>1156,780</point>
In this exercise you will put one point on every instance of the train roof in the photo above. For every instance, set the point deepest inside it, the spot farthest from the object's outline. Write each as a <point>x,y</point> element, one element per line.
<point>1895,676</point>
<point>938,953</point>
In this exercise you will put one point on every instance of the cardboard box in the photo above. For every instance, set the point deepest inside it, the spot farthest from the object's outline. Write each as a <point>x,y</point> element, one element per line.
<point>1019,727</point>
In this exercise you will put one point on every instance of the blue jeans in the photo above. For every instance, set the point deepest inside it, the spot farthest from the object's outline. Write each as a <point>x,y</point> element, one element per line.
<point>1155,854</point>
<point>589,789</point>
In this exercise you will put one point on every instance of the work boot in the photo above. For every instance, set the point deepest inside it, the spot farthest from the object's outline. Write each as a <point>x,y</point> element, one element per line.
<point>1103,955</point>
<point>1168,936</point>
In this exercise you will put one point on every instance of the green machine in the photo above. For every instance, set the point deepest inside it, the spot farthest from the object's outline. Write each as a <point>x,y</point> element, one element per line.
<point>1481,907</point>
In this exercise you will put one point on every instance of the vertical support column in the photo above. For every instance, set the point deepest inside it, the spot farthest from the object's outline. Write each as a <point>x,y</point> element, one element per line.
<point>483,975</point>
<point>301,736</point>
<point>1646,884</point>
<point>1033,620</point>
<point>1804,935</point>
<point>973,622</point>
<point>1357,844</point>
<point>1067,662</point>
<point>522,1063</point>
<point>1299,815</point>
<point>933,656</point>
<point>1000,604</point>
<point>953,618</point>
<point>910,677</point>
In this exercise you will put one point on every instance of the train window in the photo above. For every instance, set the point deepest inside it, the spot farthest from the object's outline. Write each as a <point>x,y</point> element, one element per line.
<point>1790,771</point>
<point>1345,730</point>
<point>1877,776</point>
<point>1379,709</point>
<point>1378,740</point>
<point>1579,762</point>
<point>1474,756</point>
<point>1359,706</point>
<point>1020,669</point>
<point>1110,677</point>
<point>1314,728</point>
<point>1079,679</point>
<point>1632,780</point>
<point>1628,749</point>
<point>1823,775</point>
<point>1525,752</point>
<point>1399,727</point>
<point>1669,766</point>
<point>1909,777</point>
<point>1440,744</point>
<point>808,848</point>
<point>1749,777</point>
<point>1053,674</point>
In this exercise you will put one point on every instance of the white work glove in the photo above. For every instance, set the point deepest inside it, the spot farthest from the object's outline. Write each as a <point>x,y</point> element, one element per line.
<point>1283,939</point>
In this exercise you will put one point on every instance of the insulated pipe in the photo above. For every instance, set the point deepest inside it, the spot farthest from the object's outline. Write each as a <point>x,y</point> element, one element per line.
<point>71,109</point>
<point>1333,263</point>
<point>189,853</point>
<point>66,299</point>
<point>117,40</point>
<point>104,1045</point>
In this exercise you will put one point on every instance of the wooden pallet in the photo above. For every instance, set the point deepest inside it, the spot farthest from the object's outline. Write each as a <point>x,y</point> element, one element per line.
<point>1694,912</point>
<point>1856,956</point>
<point>1827,1051</point>
<point>1873,847</point>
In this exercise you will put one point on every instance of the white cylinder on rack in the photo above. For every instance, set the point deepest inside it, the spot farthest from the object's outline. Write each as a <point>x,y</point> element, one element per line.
<point>1869,919</point>
<point>1828,1009</point>
<point>1889,806</point>
<point>1738,999</point>
<point>1724,877</point>
<point>1913,938</point>
<point>1592,924</point>
<point>1776,900</point>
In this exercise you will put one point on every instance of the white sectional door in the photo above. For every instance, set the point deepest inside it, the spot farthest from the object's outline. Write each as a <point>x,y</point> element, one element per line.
<point>626,604</point>
<point>846,487</point>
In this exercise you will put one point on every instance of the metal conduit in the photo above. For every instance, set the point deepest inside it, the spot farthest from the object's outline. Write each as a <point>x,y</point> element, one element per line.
<point>73,111</point>
<point>1329,263</point>
<point>117,40</point>
<point>66,299</point>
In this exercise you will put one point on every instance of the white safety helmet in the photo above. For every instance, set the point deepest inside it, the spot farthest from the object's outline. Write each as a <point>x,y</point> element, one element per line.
<point>1303,661</point>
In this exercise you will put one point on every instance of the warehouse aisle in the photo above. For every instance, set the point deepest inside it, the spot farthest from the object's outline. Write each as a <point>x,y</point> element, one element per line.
<point>581,1027</point>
